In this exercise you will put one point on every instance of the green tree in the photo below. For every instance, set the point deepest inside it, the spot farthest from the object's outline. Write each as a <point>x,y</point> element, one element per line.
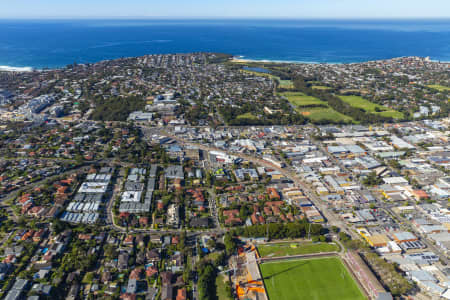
<point>58,226</point>
<point>207,282</point>
<point>372,179</point>
<point>230,243</point>
<point>211,244</point>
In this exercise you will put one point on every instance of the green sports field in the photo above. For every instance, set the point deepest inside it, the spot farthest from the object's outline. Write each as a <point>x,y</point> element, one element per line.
<point>301,101</point>
<point>247,116</point>
<point>324,113</point>
<point>286,84</point>
<point>309,279</point>
<point>320,87</point>
<point>438,87</point>
<point>360,102</point>
<point>286,249</point>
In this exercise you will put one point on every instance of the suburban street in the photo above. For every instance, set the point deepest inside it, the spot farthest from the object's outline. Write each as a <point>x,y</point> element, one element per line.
<point>332,219</point>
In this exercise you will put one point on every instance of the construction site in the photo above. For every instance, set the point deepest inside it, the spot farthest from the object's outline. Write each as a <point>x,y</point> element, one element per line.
<point>248,279</point>
<point>247,276</point>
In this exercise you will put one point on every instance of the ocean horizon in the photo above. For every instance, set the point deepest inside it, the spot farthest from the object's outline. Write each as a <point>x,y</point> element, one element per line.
<point>50,43</point>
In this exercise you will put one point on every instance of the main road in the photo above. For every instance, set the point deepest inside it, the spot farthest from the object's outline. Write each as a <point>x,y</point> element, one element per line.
<point>402,222</point>
<point>14,194</point>
<point>287,172</point>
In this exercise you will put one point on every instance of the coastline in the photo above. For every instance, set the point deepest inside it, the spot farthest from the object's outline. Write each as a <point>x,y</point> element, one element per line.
<point>250,60</point>
<point>235,59</point>
<point>290,41</point>
<point>16,69</point>
<point>241,59</point>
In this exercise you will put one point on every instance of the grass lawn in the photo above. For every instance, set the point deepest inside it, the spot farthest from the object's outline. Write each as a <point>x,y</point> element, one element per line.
<point>391,113</point>
<point>324,113</point>
<point>262,74</point>
<point>320,87</point>
<point>309,279</point>
<point>343,91</point>
<point>221,291</point>
<point>286,84</point>
<point>285,249</point>
<point>438,87</point>
<point>301,100</point>
<point>248,115</point>
<point>213,256</point>
<point>360,102</point>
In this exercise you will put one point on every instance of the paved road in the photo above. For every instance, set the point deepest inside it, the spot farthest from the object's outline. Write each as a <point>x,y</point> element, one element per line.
<point>110,222</point>
<point>14,194</point>
<point>287,172</point>
<point>83,168</point>
<point>213,207</point>
<point>41,158</point>
<point>194,259</point>
<point>405,225</point>
<point>110,204</point>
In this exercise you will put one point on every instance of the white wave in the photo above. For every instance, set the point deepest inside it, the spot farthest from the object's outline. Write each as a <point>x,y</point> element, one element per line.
<point>16,69</point>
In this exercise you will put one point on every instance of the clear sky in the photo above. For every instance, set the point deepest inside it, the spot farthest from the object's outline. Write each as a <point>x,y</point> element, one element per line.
<point>225,8</point>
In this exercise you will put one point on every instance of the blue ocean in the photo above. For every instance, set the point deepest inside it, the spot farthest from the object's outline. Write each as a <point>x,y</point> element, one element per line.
<point>56,43</point>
